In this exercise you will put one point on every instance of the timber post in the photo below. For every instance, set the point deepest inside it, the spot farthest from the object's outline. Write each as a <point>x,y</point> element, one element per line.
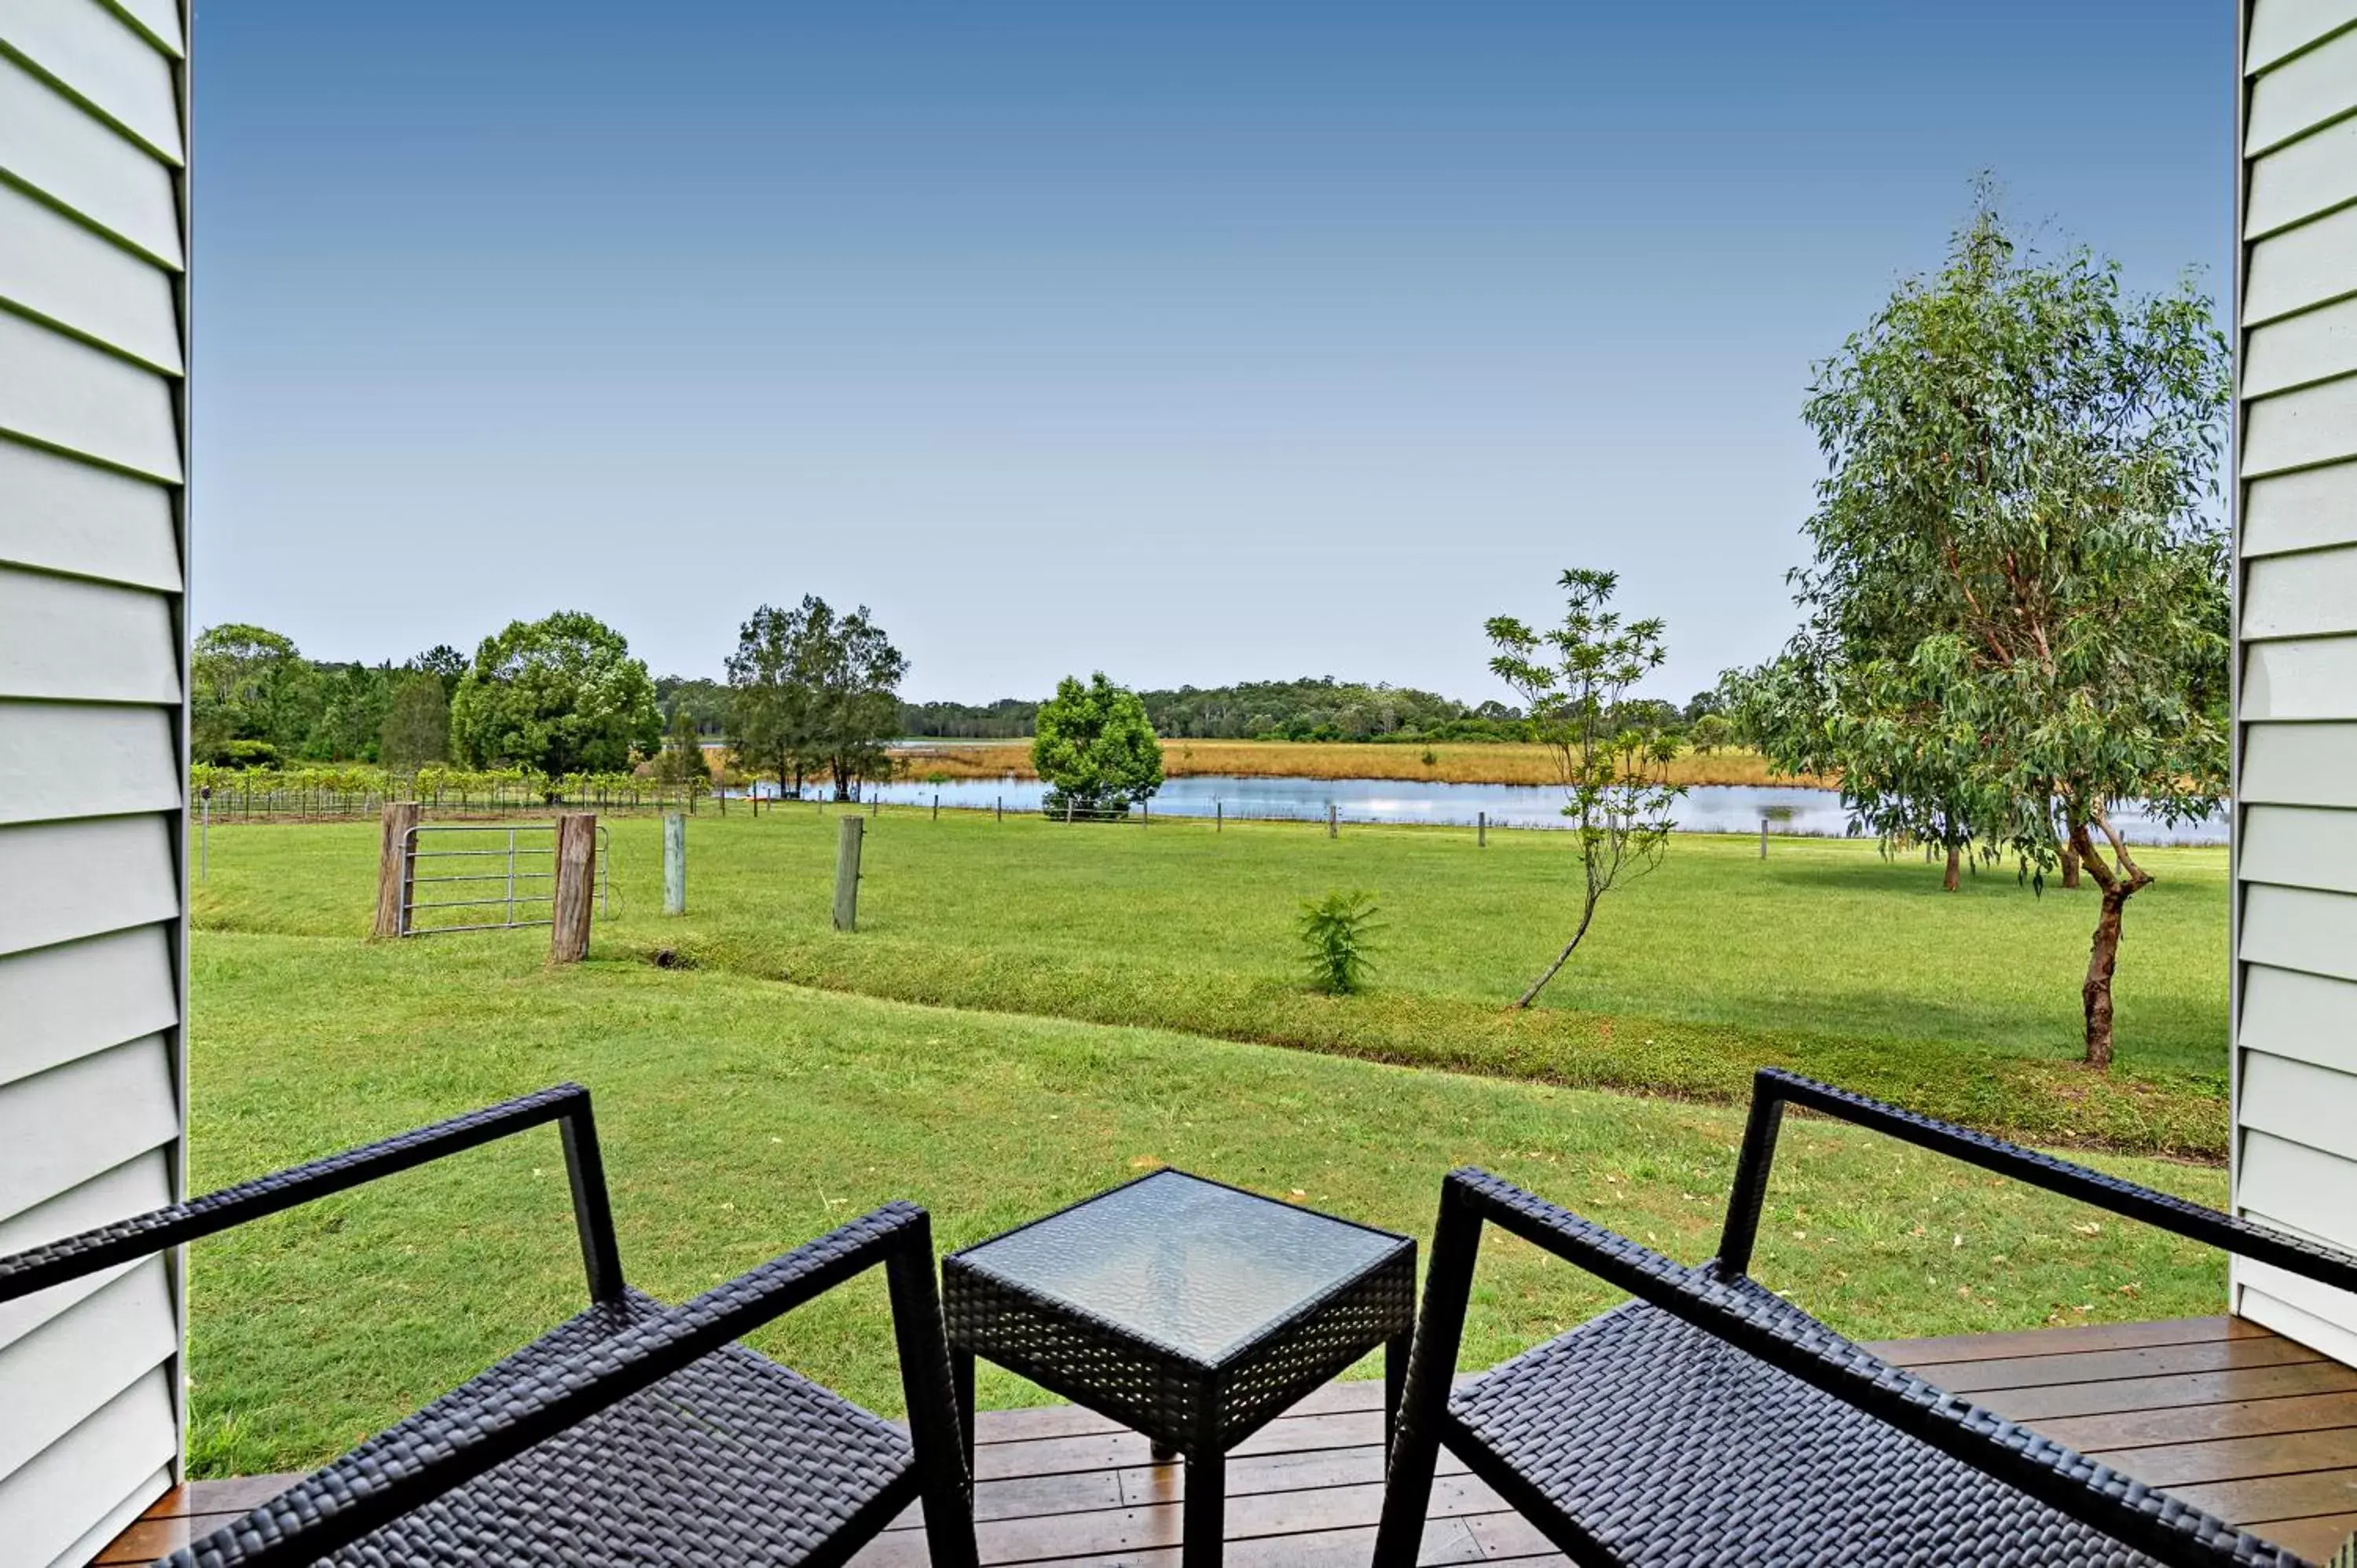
<point>1333,828</point>
<point>847,873</point>
<point>1480,829</point>
<point>674,863</point>
<point>1763,838</point>
<point>576,886</point>
<point>396,869</point>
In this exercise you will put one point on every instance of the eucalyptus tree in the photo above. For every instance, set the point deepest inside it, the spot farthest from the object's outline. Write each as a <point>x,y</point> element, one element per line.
<point>2017,612</point>
<point>812,692</point>
<point>1574,678</point>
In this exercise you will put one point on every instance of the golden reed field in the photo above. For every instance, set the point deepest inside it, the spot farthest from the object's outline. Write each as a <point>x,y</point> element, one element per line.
<point>1466,762</point>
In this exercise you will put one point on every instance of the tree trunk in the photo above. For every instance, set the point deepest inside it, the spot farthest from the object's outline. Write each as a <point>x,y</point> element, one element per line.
<point>1586,917</point>
<point>1955,863</point>
<point>2070,869</point>
<point>2102,957</point>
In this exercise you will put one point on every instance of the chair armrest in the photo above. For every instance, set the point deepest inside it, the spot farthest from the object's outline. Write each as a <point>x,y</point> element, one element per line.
<point>479,1427</point>
<point>1794,1343</point>
<point>160,1229</point>
<point>1773,1089</point>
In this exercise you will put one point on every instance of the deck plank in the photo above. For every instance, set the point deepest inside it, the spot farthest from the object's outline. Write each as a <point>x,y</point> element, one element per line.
<point>2222,1412</point>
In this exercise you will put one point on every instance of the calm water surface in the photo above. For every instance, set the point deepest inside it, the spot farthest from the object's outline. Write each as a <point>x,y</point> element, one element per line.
<point>1707,809</point>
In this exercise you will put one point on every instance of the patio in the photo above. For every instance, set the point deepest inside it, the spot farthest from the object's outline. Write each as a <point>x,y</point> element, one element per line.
<point>2229,1416</point>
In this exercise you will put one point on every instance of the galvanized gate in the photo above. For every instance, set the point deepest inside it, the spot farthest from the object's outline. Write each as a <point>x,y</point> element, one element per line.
<point>518,880</point>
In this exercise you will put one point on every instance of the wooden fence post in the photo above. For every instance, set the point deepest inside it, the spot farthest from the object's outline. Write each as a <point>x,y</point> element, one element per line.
<point>1481,830</point>
<point>576,886</point>
<point>674,863</point>
<point>847,873</point>
<point>396,869</point>
<point>1219,816</point>
<point>1333,829</point>
<point>1763,838</point>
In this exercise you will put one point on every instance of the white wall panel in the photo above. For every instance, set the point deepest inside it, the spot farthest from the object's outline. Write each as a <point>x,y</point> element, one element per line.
<point>2300,764</point>
<point>2301,268</point>
<point>2300,511</point>
<point>67,639</point>
<point>47,1506</point>
<point>2297,928</point>
<point>2295,429</point>
<point>2316,346</point>
<point>2298,1187</point>
<point>126,759</point>
<point>51,1141</point>
<point>2314,679</point>
<point>53,267</point>
<point>2302,93</point>
<point>71,880</point>
<point>2281,28</point>
<point>2302,179</point>
<point>2301,846</point>
<point>63,1372</point>
<point>159,20</point>
<point>2300,1309</point>
<point>87,167</point>
<point>2309,594</point>
<point>69,1000</point>
<point>71,517</point>
<point>133,1188</point>
<point>2297,1101</point>
<point>99,58</point>
<point>2308,1018</point>
<point>62,393</point>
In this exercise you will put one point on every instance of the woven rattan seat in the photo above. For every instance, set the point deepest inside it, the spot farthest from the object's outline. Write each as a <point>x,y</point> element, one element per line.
<point>1671,1448</point>
<point>734,1460</point>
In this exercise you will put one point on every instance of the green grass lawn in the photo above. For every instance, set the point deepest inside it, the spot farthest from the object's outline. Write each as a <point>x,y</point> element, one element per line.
<point>740,1116</point>
<point>1826,957</point>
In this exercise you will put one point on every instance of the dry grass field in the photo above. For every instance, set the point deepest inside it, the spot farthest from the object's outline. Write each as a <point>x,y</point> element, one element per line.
<point>1453,762</point>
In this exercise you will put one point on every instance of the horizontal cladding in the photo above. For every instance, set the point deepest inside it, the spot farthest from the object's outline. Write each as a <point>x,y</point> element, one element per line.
<point>67,516</point>
<point>2305,510</point>
<point>2299,1186</point>
<point>2281,29</point>
<point>2298,1308</point>
<point>68,1369</point>
<point>68,640</point>
<point>46,1505</point>
<point>104,62</point>
<point>2299,764</point>
<point>51,266</point>
<point>2300,429</point>
<point>2301,1102</point>
<point>2299,928</point>
<point>76,998</point>
<point>2302,179</point>
<point>2313,347</point>
<point>2304,1018</point>
<point>132,1188</point>
<point>71,880</point>
<point>2309,594</point>
<point>56,390</point>
<point>2301,846</point>
<point>2310,89</point>
<point>2312,679</point>
<point>125,759</point>
<point>50,144</point>
<point>2301,268</point>
<point>54,1144</point>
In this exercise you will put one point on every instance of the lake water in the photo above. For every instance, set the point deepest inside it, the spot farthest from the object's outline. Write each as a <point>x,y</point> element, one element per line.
<point>1707,809</point>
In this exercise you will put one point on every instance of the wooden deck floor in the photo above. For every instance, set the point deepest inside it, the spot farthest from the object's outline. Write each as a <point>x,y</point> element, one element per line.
<point>2256,1429</point>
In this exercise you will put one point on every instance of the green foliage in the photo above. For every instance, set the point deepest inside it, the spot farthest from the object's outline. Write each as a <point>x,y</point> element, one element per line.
<point>1612,750</point>
<point>811,691</point>
<point>442,661</point>
<point>250,683</point>
<point>682,760</point>
<point>1337,936</point>
<point>1712,732</point>
<point>2017,615</point>
<point>243,755</point>
<point>1318,709</point>
<point>1095,748</point>
<point>559,695</point>
<point>416,723</point>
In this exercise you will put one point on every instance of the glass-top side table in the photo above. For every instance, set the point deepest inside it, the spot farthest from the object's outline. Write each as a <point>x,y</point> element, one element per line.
<point>1190,1311</point>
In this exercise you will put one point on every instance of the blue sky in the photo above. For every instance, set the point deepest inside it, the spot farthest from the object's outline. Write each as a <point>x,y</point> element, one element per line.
<point>1192,343</point>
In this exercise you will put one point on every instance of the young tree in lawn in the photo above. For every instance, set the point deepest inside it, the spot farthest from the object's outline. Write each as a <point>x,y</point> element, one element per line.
<point>2020,571</point>
<point>682,760</point>
<point>416,723</point>
<point>1096,749</point>
<point>561,695</point>
<point>1575,680</point>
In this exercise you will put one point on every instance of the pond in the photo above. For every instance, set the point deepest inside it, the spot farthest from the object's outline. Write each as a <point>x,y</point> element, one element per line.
<point>1707,809</point>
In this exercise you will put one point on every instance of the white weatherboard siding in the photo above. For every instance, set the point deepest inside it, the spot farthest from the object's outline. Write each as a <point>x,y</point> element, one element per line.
<point>93,633</point>
<point>2295,1057</point>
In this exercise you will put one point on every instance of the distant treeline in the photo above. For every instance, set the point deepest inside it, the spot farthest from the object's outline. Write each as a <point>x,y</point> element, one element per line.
<point>1319,709</point>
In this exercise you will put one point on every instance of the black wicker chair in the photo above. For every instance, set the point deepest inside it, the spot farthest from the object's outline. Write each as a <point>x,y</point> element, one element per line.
<point>1710,1422</point>
<point>634,1432</point>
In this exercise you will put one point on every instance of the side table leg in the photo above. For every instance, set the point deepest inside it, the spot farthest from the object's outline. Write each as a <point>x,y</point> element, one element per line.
<point>962,1378</point>
<point>1395,1351</point>
<point>1204,1514</point>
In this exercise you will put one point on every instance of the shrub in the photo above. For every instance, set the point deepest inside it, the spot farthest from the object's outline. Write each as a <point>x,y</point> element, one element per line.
<point>1335,940</point>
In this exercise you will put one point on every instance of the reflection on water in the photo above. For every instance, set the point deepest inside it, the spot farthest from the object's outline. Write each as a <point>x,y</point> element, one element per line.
<point>1707,808</point>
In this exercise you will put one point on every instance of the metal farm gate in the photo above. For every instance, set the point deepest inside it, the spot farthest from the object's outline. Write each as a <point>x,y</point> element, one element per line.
<point>507,867</point>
